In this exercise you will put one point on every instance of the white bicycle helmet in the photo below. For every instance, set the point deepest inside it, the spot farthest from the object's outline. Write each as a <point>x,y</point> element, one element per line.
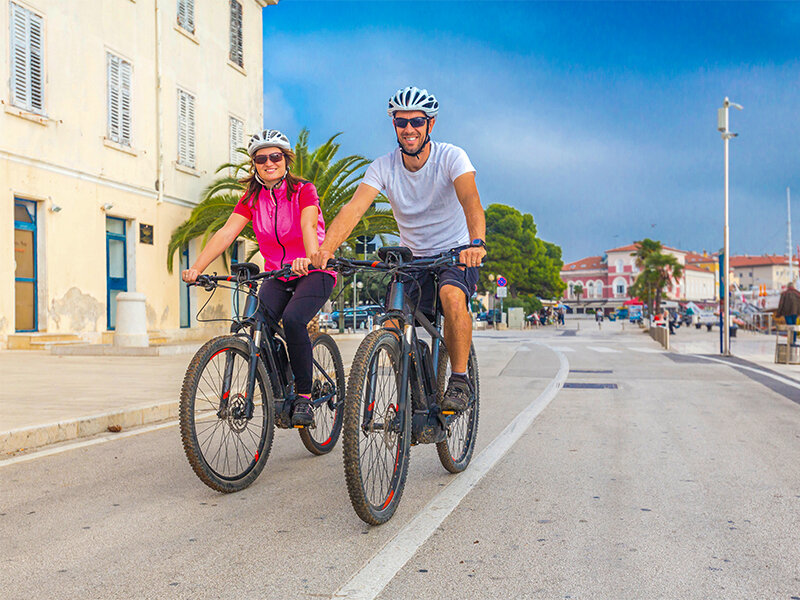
<point>269,138</point>
<point>413,98</point>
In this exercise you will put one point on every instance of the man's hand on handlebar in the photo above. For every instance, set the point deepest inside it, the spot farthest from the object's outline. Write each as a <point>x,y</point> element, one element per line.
<point>190,275</point>
<point>321,258</point>
<point>472,256</point>
<point>300,266</point>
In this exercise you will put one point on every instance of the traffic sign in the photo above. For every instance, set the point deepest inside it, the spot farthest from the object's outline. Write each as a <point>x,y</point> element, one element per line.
<point>501,281</point>
<point>502,292</point>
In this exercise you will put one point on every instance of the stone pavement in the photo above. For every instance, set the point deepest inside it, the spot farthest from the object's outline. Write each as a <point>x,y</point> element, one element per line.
<point>48,398</point>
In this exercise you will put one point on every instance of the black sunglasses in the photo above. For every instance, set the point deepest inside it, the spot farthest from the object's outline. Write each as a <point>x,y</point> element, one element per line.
<point>401,123</point>
<point>275,157</point>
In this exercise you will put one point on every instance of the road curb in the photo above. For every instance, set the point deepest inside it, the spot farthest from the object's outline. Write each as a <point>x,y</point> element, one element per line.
<point>26,438</point>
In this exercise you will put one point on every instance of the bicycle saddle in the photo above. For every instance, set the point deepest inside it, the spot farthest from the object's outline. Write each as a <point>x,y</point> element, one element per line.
<point>245,270</point>
<point>395,254</point>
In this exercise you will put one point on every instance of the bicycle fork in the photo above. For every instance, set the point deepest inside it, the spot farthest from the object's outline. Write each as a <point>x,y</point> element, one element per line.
<point>227,378</point>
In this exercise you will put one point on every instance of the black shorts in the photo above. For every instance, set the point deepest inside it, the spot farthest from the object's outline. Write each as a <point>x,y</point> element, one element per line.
<point>465,279</point>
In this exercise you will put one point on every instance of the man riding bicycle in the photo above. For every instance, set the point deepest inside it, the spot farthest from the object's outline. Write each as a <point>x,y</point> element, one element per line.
<point>431,188</point>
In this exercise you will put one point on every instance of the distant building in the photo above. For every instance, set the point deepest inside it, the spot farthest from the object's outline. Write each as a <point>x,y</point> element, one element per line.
<point>605,279</point>
<point>754,271</point>
<point>115,117</point>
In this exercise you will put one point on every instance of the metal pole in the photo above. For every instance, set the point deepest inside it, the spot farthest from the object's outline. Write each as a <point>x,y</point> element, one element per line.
<point>789,233</point>
<point>726,339</point>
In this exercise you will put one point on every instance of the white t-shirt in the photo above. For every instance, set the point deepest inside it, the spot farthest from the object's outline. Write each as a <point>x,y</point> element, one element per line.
<point>430,217</point>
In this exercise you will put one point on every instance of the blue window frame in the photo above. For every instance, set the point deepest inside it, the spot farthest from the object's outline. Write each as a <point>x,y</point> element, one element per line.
<point>116,266</point>
<point>185,299</point>
<point>25,280</point>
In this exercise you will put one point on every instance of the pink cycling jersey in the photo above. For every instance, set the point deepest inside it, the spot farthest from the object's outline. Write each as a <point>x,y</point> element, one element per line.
<point>276,222</point>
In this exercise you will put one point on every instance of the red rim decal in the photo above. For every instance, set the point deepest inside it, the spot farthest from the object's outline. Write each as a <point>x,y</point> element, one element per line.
<point>388,500</point>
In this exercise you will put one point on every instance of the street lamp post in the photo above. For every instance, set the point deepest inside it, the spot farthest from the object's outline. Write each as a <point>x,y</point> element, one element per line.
<point>722,127</point>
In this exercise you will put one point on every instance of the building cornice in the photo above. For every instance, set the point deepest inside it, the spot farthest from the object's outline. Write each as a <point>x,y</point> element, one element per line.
<point>264,3</point>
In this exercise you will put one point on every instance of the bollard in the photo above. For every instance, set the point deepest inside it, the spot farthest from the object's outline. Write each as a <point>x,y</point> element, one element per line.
<point>131,328</point>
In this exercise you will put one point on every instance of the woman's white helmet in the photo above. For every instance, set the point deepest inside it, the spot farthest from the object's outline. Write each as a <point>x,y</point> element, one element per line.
<point>413,98</point>
<point>269,138</point>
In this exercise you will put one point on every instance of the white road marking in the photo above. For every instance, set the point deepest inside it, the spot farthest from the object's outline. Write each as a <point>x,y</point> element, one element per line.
<point>367,583</point>
<point>645,350</point>
<point>101,439</point>
<point>523,349</point>
<point>781,378</point>
<point>603,349</point>
<point>562,348</point>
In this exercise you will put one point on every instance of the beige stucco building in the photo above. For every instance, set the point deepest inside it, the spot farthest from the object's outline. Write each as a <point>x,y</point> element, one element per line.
<point>114,117</point>
<point>769,270</point>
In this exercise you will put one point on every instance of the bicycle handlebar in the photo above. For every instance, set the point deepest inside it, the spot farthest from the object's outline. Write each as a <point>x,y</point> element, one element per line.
<point>209,282</point>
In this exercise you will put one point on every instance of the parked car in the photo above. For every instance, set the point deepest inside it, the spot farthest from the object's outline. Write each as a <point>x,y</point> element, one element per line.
<point>326,321</point>
<point>361,319</point>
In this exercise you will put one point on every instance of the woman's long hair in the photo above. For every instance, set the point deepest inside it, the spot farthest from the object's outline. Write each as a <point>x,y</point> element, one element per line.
<point>254,187</point>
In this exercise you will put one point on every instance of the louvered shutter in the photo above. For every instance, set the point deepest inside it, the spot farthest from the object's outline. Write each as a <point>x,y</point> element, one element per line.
<point>126,72</point>
<point>186,15</point>
<point>114,117</point>
<point>27,60</point>
<point>186,131</point>
<point>237,139</point>
<point>237,52</point>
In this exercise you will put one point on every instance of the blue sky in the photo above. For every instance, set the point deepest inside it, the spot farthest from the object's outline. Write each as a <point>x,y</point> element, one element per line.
<point>597,118</point>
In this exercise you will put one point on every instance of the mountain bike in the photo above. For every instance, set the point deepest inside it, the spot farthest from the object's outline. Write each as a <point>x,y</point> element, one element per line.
<point>239,387</point>
<point>393,392</point>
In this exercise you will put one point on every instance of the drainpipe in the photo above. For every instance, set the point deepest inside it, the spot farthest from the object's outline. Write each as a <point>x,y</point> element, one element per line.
<point>159,114</point>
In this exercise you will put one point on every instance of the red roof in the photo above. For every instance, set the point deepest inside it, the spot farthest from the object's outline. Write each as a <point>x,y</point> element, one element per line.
<point>635,247</point>
<point>585,264</point>
<point>758,261</point>
<point>695,268</point>
<point>694,257</point>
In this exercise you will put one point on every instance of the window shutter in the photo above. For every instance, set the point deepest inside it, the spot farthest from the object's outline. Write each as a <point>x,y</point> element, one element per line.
<point>186,129</point>
<point>113,98</point>
<point>126,72</point>
<point>27,60</point>
<point>186,15</point>
<point>237,139</point>
<point>237,52</point>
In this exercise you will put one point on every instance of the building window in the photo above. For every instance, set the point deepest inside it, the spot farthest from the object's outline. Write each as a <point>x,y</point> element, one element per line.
<point>619,265</point>
<point>236,139</point>
<point>119,74</point>
<point>620,287</point>
<point>186,133</point>
<point>27,60</point>
<point>598,289</point>
<point>237,52</point>
<point>186,15</point>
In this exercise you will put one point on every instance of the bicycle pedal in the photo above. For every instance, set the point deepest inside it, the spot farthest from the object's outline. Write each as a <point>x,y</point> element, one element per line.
<point>299,426</point>
<point>448,412</point>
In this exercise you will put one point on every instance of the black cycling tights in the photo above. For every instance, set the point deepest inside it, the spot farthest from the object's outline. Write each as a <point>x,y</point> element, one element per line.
<point>296,302</point>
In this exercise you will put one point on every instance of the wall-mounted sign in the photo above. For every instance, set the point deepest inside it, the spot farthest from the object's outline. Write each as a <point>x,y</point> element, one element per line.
<point>145,234</point>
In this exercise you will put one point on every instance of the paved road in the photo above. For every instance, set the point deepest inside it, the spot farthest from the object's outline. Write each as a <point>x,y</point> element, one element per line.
<point>680,482</point>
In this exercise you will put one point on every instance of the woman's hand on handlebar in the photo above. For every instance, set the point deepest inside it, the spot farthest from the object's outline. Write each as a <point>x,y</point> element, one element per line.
<point>320,258</point>
<point>190,275</point>
<point>300,266</point>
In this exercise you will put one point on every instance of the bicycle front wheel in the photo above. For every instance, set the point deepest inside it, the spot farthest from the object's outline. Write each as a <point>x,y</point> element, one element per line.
<point>328,381</point>
<point>455,452</point>
<point>376,433</point>
<point>227,445</point>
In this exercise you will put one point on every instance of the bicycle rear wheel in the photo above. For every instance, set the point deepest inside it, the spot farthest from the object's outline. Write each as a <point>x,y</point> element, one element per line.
<point>455,452</point>
<point>376,434</point>
<point>226,449</point>
<point>322,438</point>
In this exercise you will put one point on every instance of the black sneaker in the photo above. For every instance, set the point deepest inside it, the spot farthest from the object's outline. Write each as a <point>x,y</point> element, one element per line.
<point>458,394</point>
<point>302,413</point>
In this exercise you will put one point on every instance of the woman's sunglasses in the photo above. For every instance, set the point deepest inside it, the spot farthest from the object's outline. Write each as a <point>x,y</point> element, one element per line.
<point>401,123</point>
<point>275,157</point>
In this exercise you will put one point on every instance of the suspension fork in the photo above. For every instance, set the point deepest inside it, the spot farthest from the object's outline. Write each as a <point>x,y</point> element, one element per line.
<point>255,344</point>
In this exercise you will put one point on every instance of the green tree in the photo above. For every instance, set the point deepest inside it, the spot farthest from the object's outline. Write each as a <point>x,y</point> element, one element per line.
<point>657,270</point>
<point>531,265</point>
<point>336,181</point>
<point>578,291</point>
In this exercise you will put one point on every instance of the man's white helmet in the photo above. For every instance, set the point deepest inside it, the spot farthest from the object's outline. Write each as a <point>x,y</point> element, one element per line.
<point>269,138</point>
<point>413,98</point>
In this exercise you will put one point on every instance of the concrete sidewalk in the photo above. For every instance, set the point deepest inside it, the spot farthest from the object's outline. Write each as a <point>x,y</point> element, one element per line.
<point>48,398</point>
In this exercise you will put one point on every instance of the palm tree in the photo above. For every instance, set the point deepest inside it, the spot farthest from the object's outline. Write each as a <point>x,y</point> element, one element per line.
<point>578,291</point>
<point>644,285</point>
<point>336,181</point>
<point>664,269</point>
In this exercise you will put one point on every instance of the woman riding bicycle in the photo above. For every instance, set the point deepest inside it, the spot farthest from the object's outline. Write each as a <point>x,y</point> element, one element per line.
<point>289,227</point>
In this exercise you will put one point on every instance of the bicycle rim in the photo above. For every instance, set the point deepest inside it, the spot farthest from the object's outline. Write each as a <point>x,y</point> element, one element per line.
<point>376,433</point>
<point>226,449</point>
<point>322,438</point>
<point>455,453</point>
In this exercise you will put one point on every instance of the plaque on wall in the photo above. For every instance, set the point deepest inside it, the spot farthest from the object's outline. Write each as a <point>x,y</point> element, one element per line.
<point>145,234</point>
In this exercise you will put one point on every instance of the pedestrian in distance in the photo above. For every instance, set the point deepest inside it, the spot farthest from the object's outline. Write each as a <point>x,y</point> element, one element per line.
<point>789,307</point>
<point>289,227</point>
<point>598,316</point>
<point>431,189</point>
